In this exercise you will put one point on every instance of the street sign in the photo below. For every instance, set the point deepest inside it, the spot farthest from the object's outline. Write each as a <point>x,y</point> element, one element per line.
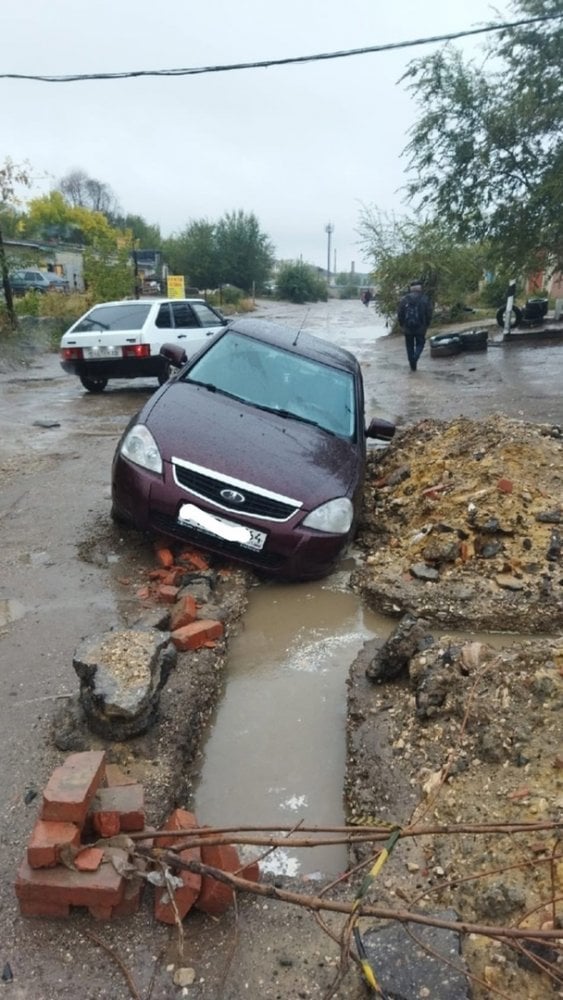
<point>175,286</point>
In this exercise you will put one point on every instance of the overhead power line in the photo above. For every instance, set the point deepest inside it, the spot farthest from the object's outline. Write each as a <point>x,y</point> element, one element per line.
<point>290,60</point>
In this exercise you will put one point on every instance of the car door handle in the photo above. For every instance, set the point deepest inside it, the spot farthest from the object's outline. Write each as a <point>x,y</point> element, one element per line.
<point>182,336</point>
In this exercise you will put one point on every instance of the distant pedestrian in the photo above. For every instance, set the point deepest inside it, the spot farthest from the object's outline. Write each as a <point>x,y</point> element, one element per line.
<point>367,297</point>
<point>414,315</point>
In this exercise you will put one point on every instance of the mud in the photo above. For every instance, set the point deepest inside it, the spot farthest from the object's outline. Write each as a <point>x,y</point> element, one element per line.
<point>63,569</point>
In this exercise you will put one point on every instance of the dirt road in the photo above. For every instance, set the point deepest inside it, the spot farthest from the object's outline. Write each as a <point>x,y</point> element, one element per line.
<point>60,564</point>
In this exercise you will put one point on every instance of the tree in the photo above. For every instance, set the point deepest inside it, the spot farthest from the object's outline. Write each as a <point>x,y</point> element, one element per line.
<point>145,234</point>
<point>193,252</point>
<point>244,252</point>
<point>405,249</point>
<point>486,154</point>
<point>82,191</point>
<point>51,217</point>
<point>12,176</point>
<point>299,282</point>
<point>107,270</point>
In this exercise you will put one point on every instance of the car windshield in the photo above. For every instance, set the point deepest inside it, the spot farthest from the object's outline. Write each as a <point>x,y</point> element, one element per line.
<point>129,316</point>
<point>271,378</point>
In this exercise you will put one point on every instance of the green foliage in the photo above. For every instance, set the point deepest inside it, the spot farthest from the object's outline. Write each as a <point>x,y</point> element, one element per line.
<point>348,283</point>
<point>107,271</point>
<point>233,251</point>
<point>193,253</point>
<point>298,282</point>
<point>405,249</point>
<point>486,153</point>
<point>245,254</point>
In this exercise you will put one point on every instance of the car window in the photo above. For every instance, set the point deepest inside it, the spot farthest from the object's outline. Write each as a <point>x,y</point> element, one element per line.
<point>205,315</point>
<point>268,376</point>
<point>183,315</point>
<point>126,316</point>
<point>164,319</point>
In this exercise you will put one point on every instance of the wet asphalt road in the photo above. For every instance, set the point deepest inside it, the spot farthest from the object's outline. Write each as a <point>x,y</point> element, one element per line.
<point>54,498</point>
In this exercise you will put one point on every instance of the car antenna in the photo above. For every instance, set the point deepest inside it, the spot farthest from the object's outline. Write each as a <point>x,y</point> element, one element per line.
<point>294,344</point>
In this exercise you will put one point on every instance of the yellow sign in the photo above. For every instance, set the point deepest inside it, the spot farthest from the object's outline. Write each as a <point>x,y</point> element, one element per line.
<point>175,286</point>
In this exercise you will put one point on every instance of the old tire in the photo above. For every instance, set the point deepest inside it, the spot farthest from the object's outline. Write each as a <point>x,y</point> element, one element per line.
<point>445,345</point>
<point>93,384</point>
<point>474,340</point>
<point>515,317</point>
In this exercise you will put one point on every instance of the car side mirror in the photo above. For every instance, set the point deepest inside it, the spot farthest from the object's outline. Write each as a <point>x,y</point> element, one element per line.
<point>381,429</point>
<point>174,354</point>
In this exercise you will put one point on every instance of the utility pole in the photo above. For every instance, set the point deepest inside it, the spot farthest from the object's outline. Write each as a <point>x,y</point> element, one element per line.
<point>329,229</point>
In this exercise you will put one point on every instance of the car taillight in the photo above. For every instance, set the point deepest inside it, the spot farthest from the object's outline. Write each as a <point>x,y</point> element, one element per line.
<point>71,353</point>
<point>136,351</point>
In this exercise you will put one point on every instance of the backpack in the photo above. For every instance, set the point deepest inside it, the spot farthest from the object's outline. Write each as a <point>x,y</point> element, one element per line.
<point>413,312</point>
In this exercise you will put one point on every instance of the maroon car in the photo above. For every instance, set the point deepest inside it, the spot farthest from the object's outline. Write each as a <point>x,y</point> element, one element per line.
<point>255,450</point>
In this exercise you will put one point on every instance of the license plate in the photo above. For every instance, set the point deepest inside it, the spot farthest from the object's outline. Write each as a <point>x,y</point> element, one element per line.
<point>249,538</point>
<point>102,351</point>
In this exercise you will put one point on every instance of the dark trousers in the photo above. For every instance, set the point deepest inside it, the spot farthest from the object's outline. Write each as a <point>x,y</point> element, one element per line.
<point>414,342</point>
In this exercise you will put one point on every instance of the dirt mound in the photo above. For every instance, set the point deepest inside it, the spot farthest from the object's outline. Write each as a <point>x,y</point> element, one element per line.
<point>463,524</point>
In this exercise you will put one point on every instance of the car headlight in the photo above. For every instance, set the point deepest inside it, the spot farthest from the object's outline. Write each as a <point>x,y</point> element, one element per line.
<point>140,447</point>
<point>335,516</point>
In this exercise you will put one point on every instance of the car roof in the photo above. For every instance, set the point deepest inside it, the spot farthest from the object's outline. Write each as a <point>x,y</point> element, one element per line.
<point>297,341</point>
<point>144,300</point>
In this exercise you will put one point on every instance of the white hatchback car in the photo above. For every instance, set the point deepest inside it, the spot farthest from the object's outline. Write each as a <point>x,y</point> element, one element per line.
<point>123,339</point>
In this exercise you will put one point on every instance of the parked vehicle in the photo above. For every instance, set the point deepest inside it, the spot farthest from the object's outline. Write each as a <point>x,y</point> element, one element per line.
<point>123,339</point>
<point>254,450</point>
<point>28,280</point>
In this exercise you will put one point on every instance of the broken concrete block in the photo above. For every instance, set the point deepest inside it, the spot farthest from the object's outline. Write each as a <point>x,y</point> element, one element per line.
<point>121,674</point>
<point>71,787</point>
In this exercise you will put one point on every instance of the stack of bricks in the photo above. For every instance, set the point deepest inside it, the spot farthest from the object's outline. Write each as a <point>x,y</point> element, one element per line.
<point>187,631</point>
<point>83,799</point>
<point>86,800</point>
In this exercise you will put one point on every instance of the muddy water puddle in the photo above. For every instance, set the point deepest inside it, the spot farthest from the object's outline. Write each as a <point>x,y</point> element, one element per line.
<point>276,750</point>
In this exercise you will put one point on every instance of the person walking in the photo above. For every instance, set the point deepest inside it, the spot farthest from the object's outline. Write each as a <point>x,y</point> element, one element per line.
<point>414,315</point>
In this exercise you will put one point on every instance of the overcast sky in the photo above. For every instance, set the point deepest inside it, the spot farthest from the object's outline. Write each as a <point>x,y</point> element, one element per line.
<point>300,146</point>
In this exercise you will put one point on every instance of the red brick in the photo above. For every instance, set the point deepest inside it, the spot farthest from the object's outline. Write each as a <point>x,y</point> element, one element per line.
<point>216,897</point>
<point>164,557</point>
<point>197,634</point>
<point>194,559</point>
<point>89,860</point>
<point>183,613</point>
<point>61,886</point>
<point>116,777</point>
<point>105,823</point>
<point>46,841</point>
<point>131,899</point>
<point>187,894</point>
<point>70,788</point>
<point>124,802</point>
<point>42,908</point>
<point>143,593</point>
<point>504,486</point>
<point>166,594</point>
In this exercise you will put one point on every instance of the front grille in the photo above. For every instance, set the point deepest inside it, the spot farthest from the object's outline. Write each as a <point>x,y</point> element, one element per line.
<point>170,526</point>
<point>254,503</point>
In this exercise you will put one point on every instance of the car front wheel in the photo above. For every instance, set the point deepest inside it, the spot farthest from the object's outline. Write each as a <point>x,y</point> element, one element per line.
<point>93,384</point>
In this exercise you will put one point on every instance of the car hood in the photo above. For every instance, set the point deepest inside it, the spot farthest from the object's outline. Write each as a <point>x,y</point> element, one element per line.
<point>253,446</point>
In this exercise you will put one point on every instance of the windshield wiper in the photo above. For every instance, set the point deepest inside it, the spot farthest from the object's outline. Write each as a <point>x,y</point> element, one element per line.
<point>293,416</point>
<point>96,322</point>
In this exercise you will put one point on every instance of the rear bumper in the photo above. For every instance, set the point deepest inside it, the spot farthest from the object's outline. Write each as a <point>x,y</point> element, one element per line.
<point>116,367</point>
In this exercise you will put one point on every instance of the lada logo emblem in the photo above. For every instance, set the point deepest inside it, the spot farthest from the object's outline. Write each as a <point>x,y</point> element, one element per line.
<point>231,496</point>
